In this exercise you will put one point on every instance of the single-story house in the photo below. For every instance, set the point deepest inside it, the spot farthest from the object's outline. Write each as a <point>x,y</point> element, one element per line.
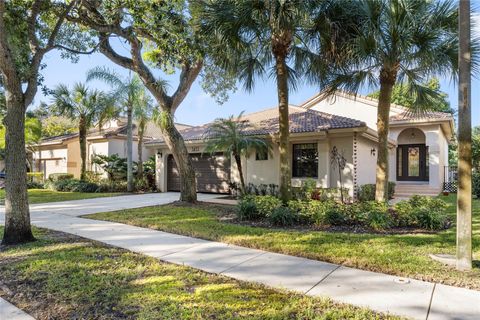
<point>418,148</point>
<point>61,154</point>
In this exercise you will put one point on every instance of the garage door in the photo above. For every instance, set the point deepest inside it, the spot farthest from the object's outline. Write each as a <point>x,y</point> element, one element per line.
<point>212,172</point>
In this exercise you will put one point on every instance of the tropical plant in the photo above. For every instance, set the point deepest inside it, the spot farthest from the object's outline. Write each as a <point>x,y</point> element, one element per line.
<point>89,107</point>
<point>401,96</point>
<point>272,38</point>
<point>142,113</point>
<point>130,93</point>
<point>230,135</point>
<point>397,42</point>
<point>114,165</point>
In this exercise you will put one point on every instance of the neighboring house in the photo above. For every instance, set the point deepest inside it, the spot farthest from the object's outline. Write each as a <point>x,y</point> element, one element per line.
<point>418,148</point>
<point>61,154</point>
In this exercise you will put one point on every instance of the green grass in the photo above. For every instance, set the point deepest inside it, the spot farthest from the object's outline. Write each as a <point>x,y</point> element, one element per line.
<point>66,277</point>
<point>44,195</point>
<point>403,254</point>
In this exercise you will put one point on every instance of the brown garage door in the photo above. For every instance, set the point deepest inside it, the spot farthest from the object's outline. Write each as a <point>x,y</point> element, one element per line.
<point>212,171</point>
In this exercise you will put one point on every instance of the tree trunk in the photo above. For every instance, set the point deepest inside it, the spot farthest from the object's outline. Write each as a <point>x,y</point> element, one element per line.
<point>282,91</point>
<point>238,161</point>
<point>464,193</point>
<point>141,131</point>
<point>387,80</point>
<point>82,136</point>
<point>129,150</point>
<point>176,144</point>
<point>17,215</point>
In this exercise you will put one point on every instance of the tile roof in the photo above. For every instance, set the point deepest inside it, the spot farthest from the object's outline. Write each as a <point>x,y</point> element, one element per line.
<point>301,121</point>
<point>428,115</point>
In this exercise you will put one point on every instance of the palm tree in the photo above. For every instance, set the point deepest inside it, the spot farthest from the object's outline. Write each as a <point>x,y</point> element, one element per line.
<point>464,201</point>
<point>277,38</point>
<point>142,113</point>
<point>129,91</point>
<point>89,107</point>
<point>230,135</point>
<point>397,42</point>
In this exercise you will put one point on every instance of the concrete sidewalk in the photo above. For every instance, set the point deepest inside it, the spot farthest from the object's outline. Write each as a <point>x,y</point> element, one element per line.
<point>385,293</point>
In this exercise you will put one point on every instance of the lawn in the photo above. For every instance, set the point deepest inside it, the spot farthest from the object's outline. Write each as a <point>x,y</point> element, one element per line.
<point>401,254</point>
<point>44,195</point>
<point>62,276</point>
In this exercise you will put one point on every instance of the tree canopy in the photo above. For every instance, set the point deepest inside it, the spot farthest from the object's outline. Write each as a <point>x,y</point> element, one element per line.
<point>403,97</point>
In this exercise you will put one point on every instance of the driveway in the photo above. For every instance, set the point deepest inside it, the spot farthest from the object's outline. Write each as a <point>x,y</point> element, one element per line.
<point>77,208</point>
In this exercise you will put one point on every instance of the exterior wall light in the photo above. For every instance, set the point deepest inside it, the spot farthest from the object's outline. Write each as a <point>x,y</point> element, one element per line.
<point>373,151</point>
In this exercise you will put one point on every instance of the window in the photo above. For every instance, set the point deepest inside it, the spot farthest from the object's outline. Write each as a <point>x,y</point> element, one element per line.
<point>305,160</point>
<point>261,155</point>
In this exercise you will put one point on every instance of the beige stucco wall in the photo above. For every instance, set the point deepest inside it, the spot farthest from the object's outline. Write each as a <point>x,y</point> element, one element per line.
<point>56,165</point>
<point>345,147</point>
<point>74,163</point>
<point>366,161</point>
<point>359,109</point>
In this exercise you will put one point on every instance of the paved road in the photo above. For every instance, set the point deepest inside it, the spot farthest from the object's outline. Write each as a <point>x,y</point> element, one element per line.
<point>385,293</point>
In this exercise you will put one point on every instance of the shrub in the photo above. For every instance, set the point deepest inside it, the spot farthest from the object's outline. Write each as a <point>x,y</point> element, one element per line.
<point>421,211</point>
<point>366,192</point>
<point>35,177</point>
<point>112,186</point>
<point>310,211</point>
<point>335,215</point>
<point>476,184</point>
<point>246,209</point>
<point>72,185</point>
<point>266,204</point>
<point>376,215</point>
<point>34,185</point>
<point>60,176</point>
<point>283,216</point>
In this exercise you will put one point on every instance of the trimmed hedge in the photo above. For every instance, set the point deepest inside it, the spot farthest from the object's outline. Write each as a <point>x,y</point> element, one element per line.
<point>60,176</point>
<point>418,212</point>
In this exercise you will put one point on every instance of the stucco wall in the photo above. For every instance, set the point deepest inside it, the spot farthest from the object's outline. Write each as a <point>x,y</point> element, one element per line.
<point>74,161</point>
<point>366,162</point>
<point>56,165</point>
<point>345,147</point>
<point>263,171</point>
<point>355,109</point>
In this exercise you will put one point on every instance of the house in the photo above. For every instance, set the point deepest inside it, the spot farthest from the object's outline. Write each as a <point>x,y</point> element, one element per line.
<point>418,148</point>
<point>61,154</point>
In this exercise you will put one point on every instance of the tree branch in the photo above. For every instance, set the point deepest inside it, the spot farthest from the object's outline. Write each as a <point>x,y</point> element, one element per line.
<point>61,47</point>
<point>188,75</point>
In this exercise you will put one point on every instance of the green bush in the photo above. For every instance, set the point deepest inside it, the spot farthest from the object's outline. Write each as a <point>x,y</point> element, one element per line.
<point>266,204</point>
<point>476,184</point>
<point>311,211</point>
<point>283,216</point>
<point>246,209</point>
<point>376,215</point>
<point>35,177</point>
<point>72,185</point>
<point>34,185</point>
<point>423,212</point>
<point>335,215</point>
<point>366,192</point>
<point>106,185</point>
<point>60,176</point>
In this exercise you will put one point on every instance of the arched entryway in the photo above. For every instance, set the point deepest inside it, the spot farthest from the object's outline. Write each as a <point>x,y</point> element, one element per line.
<point>412,156</point>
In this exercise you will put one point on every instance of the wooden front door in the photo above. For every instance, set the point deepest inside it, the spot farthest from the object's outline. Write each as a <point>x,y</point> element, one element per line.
<point>412,162</point>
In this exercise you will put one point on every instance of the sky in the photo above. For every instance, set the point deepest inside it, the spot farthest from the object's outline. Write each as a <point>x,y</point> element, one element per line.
<point>199,108</point>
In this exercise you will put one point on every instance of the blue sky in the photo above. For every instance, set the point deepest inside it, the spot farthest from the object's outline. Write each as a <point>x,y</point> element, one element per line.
<point>199,107</point>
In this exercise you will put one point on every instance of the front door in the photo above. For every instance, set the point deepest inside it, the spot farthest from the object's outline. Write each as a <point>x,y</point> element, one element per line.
<point>412,162</point>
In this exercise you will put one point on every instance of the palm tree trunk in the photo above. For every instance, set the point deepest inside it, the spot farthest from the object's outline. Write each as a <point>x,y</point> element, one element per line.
<point>238,161</point>
<point>129,150</point>
<point>17,215</point>
<point>387,80</point>
<point>464,194</point>
<point>282,91</point>
<point>176,144</point>
<point>141,131</point>
<point>82,135</point>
